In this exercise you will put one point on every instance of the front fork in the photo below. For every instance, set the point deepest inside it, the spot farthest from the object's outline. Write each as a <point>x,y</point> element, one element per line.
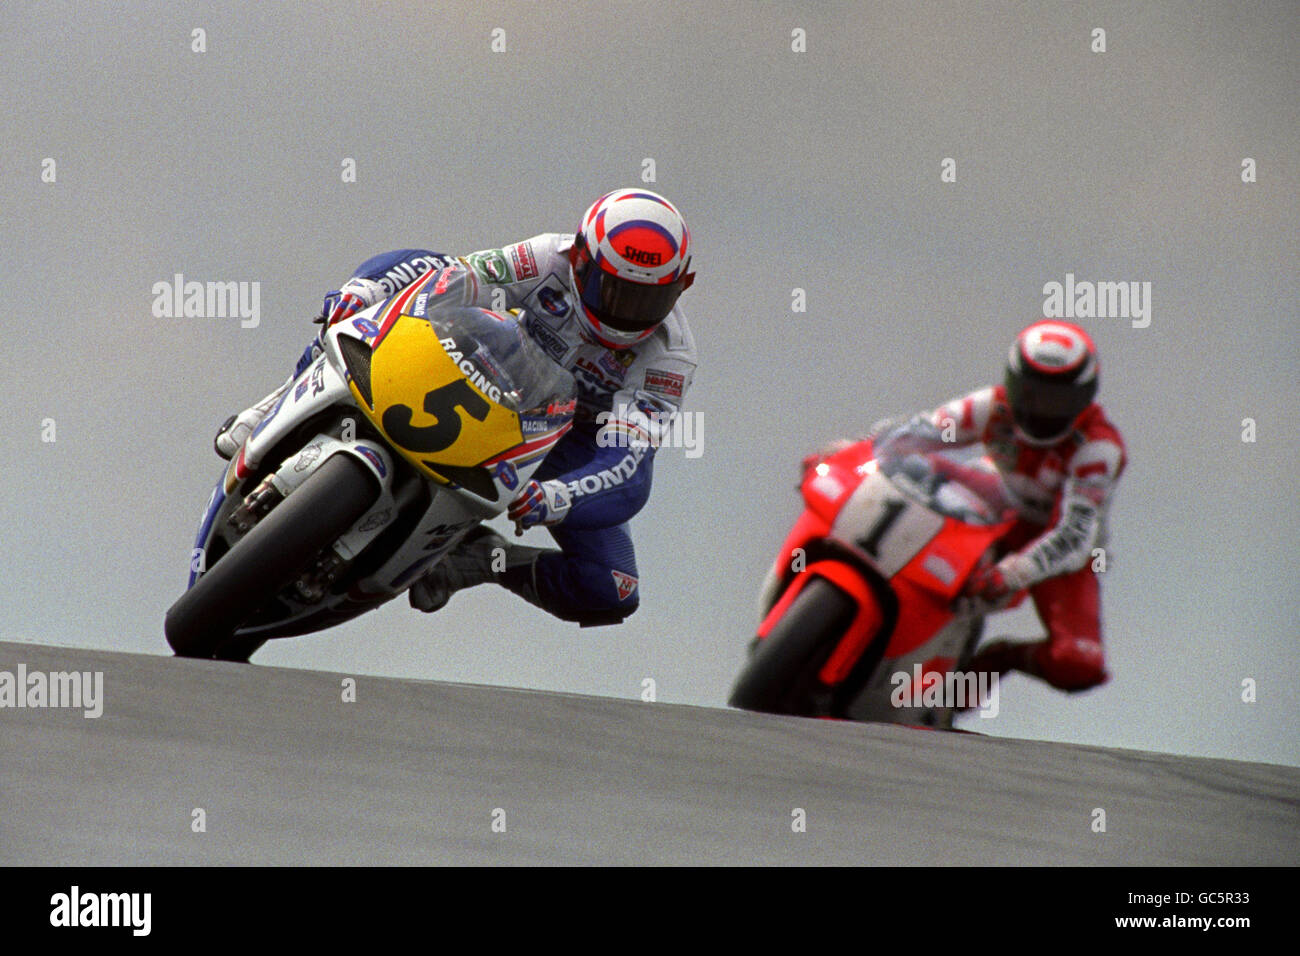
<point>312,585</point>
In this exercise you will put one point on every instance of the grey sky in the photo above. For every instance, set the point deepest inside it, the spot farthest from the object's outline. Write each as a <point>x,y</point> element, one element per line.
<point>817,170</point>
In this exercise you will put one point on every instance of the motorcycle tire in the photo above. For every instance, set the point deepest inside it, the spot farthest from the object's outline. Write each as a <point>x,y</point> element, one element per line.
<point>781,676</point>
<point>203,620</point>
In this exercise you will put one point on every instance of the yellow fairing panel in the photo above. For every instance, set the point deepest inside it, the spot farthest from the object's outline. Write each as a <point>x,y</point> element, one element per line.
<point>433,409</point>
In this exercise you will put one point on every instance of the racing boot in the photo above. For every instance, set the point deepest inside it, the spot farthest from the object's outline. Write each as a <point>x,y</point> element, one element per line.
<point>999,657</point>
<point>1003,656</point>
<point>235,430</point>
<point>482,556</point>
<point>1069,665</point>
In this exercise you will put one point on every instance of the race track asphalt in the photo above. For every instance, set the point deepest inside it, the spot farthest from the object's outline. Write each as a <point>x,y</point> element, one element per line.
<point>286,772</point>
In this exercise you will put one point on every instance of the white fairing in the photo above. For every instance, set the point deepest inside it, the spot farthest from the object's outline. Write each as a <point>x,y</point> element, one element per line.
<point>374,456</point>
<point>318,387</point>
<point>885,526</point>
<point>451,513</point>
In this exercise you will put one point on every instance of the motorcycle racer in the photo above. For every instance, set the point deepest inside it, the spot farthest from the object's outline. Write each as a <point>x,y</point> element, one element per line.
<point>1060,460</point>
<point>602,303</point>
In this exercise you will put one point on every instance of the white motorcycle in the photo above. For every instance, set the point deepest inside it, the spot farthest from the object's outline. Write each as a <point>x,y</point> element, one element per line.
<point>421,418</point>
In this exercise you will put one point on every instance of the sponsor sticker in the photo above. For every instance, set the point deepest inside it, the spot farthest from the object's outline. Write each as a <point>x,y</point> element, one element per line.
<point>547,338</point>
<point>641,257</point>
<point>507,475</point>
<point>545,419</point>
<point>307,457</point>
<point>374,459</point>
<point>665,383</point>
<point>491,265</point>
<point>376,520</point>
<point>477,376</point>
<point>552,299</point>
<point>625,583</point>
<point>598,378</point>
<point>523,260</point>
<point>614,363</point>
<point>444,278</point>
<point>653,408</point>
<point>366,327</point>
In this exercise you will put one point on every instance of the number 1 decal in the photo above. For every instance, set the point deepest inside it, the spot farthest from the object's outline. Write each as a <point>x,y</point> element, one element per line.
<point>870,541</point>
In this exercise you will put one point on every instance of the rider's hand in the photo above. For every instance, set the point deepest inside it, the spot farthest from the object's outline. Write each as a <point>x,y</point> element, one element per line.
<point>988,585</point>
<point>345,302</point>
<point>545,503</point>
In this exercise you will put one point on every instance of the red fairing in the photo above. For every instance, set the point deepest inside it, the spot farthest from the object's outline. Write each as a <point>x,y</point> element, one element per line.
<point>957,548</point>
<point>926,586</point>
<point>828,484</point>
<point>826,487</point>
<point>866,623</point>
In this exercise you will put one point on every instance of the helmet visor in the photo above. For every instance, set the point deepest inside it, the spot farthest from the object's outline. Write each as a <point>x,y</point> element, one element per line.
<point>621,304</point>
<point>1045,409</point>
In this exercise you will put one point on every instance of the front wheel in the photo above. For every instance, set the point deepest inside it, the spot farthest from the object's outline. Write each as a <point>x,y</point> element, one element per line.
<point>203,621</point>
<point>781,676</point>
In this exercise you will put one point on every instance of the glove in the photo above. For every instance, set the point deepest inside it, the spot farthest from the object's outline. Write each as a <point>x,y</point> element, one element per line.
<point>545,503</point>
<point>355,295</point>
<point>987,585</point>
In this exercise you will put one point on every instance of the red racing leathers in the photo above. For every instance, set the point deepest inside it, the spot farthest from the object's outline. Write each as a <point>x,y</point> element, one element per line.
<point>1062,493</point>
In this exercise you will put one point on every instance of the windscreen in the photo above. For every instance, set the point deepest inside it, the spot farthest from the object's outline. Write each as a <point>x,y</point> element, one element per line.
<point>495,352</point>
<point>959,482</point>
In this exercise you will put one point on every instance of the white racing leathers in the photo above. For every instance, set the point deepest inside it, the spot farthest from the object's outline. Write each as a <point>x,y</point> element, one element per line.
<point>626,404</point>
<point>631,394</point>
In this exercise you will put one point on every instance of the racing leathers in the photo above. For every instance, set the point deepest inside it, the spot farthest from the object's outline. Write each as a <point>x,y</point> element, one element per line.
<point>599,474</point>
<point>1062,494</point>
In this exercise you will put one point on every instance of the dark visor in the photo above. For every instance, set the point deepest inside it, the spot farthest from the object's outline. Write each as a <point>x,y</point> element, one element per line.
<point>1033,396</point>
<point>1045,409</point>
<point>621,304</point>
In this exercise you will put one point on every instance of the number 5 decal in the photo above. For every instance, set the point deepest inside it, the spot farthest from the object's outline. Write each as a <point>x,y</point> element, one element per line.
<point>441,403</point>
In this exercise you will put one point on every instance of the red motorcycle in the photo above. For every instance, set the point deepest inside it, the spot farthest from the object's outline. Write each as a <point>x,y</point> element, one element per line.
<point>863,618</point>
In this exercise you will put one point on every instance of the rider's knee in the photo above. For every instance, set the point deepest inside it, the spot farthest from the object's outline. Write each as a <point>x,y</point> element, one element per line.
<point>1072,663</point>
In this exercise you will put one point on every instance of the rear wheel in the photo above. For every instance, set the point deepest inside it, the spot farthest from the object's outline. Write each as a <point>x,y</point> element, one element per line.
<point>781,677</point>
<point>203,621</point>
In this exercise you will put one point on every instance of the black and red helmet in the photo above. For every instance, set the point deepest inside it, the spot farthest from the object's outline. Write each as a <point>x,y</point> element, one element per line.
<point>1051,379</point>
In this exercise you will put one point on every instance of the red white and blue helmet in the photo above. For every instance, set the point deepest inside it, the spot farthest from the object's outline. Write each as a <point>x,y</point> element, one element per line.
<point>629,262</point>
<point>1051,379</point>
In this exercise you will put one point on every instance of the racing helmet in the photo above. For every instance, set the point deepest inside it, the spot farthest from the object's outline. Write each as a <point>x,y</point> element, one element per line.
<point>1051,379</point>
<point>629,262</point>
